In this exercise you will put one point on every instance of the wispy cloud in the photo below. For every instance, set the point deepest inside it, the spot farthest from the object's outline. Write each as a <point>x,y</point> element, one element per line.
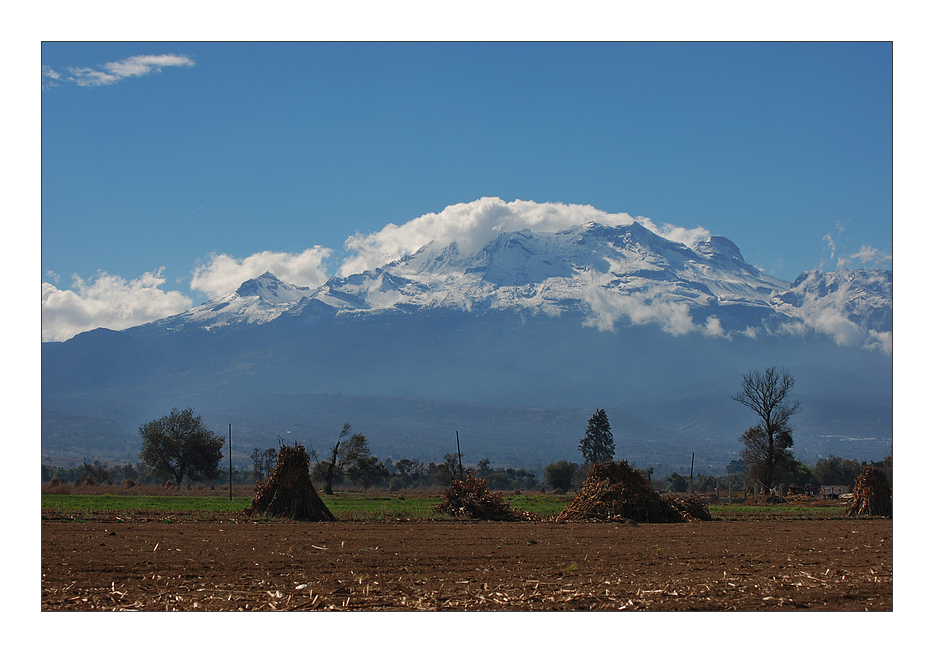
<point>831,244</point>
<point>223,273</point>
<point>106,301</point>
<point>115,71</point>
<point>866,256</point>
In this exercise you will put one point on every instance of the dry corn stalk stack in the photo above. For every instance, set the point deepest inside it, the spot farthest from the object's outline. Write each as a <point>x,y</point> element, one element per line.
<point>872,494</point>
<point>615,492</point>
<point>690,507</point>
<point>472,499</point>
<point>288,492</point>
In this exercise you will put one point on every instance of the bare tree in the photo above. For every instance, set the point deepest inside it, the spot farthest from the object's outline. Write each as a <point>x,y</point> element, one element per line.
<point>97,472</point>
<point>264,462</point>
<point>345,452</point>
<point>766,444</point>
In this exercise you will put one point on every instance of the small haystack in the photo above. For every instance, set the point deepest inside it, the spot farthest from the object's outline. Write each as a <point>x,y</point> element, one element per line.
<point>472,499</point>
<point>615,492</point>
<point>872,494</point>
<point>288,491</point>
<point>690,507</point>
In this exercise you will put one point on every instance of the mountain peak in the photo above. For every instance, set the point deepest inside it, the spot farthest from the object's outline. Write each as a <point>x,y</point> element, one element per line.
<point>271,290</point>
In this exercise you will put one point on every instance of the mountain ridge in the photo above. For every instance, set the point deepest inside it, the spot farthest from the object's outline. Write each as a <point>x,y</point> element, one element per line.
<point>609,275</point>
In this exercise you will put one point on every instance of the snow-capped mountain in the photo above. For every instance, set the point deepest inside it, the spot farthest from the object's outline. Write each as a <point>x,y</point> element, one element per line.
<point>606,277</point>
<point>604,272</point>
<point>256,301</point>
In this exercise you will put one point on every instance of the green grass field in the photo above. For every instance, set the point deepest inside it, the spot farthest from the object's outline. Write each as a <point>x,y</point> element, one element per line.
<point>783,511</point>
<point>360,507</point>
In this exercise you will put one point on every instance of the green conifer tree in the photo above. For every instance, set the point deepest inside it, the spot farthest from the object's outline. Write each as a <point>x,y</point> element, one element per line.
<point>597,445</point>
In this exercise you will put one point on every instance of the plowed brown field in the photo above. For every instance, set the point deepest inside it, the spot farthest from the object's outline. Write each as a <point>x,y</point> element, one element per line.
<point>835,564</point>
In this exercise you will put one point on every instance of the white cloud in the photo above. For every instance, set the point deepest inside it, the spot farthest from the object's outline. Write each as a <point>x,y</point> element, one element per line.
<point>687,237</point>
<point>866,256</point>
<point>224,274</point>
<point>834,323</point>
<point>472,225</point>
<point>114,71</point>
<point>828,313</point>
<point>607,307</point>
<point>714,329</point>
<point>832,245</point>
<point>879,340</point>
<point>107,301</point>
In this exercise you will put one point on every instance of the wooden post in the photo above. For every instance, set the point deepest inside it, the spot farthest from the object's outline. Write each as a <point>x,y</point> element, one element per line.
<point>691,486</point>
<point>460,463</point>
<point>230,461</point>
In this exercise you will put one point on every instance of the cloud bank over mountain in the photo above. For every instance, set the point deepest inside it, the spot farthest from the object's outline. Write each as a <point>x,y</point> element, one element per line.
<point>472,225</point>
<point>222,273</point>
<point>107,301</point>
<point>116,303</point>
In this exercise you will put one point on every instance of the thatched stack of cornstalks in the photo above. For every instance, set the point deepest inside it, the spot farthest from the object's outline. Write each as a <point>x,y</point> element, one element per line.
<point>690,508</point>
<point>471,498</point>
<point>615,492</point>
<point>288,492</point>
<point>872,494</point>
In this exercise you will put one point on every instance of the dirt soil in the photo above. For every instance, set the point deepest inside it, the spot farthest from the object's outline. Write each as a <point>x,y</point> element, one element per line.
<point>144,564</point>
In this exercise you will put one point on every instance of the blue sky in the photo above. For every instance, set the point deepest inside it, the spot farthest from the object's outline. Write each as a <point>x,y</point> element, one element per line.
<point>159,174</point>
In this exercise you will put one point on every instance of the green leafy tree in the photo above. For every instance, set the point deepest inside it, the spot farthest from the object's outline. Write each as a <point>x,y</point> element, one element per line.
<point>767,460</point>
<point>367,471</point>
<point>410,472</point>
<point>766,445</point>
<point>179,445</point>
<point>597,445</point>
<point>483,468</point>
<point>836,471</point>
<point>676,483</point>
<point>345,452</point>
<point>800,476</point>
<point>559,475</point>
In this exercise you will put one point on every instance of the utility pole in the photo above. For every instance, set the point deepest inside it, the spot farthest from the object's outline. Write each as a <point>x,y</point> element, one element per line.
<point>230,460</point>
<point>691,488</point>
<point>460,463</point>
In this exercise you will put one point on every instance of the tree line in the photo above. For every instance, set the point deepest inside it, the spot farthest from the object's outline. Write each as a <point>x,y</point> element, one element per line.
<point>178,446</point>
